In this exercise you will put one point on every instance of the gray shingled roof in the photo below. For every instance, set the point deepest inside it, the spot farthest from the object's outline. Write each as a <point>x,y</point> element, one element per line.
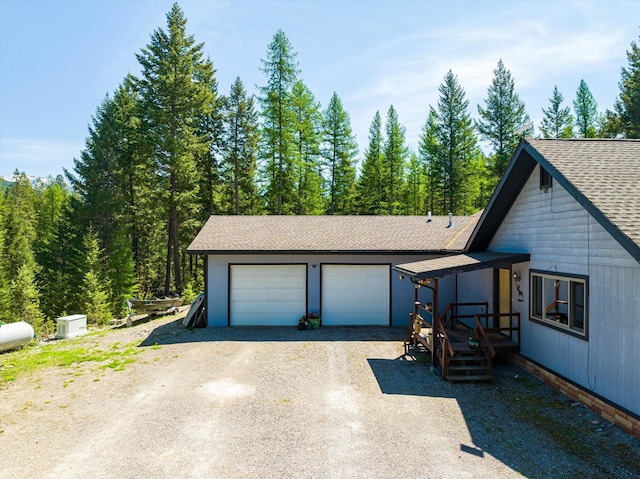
<point>460,263</point>
<point>606,172</point>
<point>259,234</point>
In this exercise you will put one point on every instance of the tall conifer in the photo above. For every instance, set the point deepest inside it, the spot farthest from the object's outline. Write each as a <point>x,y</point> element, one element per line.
<point>394,162</point>
<point>339,151</point>
<point>557,121</point>
<point>370,183</point>
<point>176,92</point>
<point>504,114</point>
<point>586,110</point>
<point>281,69</point>
<point>240,147</point>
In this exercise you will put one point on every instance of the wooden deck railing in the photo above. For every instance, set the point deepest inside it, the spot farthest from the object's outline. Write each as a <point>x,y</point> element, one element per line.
<point>445,351</point>
<point>485,342</point>
<point>451,315</point>
<point>508,331</point>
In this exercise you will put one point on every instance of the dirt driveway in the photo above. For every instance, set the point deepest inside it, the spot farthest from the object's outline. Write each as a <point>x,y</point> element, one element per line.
<point>283,403</point>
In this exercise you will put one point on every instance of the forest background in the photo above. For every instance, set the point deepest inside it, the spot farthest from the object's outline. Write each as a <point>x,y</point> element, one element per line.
<point>166,150</point>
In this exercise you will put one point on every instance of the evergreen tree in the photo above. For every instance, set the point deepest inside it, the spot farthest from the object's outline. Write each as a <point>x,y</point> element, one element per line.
<point>306,150</point>
<point>281,70</point>
<point>240,140</point>
<point>339,152</point>
<point>5,298</point>
<point>586,110</point>
<point>430,155</point>
<point>627,107</point>
<point>211,190</point>
<point>95,299</point>
<point>450,148</point>
<point>120,274</point>
<point>176,93</point>
<point>503,115</point>
<point>370,185</point>
<point>25,298</point>
<point>414,187</point>
<point>394,162</point>
<point>62,264</point>
<point>19,226</point>
<point>557,121</point>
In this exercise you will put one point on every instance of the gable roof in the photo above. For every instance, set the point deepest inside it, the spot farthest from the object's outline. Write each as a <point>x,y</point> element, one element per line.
<point>603,175</point>
<point>332,234</point>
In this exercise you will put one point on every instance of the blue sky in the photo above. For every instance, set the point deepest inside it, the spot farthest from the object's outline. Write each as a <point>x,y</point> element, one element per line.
<point>58,59</point>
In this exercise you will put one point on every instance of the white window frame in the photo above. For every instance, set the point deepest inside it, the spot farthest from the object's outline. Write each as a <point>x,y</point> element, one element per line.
<point>570,313</point>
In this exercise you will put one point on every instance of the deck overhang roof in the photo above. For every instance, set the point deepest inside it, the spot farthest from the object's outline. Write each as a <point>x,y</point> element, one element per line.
<point>459,263</point>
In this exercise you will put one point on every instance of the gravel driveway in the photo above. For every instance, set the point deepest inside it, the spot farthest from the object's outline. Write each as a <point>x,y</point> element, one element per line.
<point>283,403</point>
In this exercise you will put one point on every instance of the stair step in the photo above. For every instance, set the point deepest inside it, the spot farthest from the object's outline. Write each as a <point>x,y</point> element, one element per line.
<point>475,367</point>
<point>478,378</point>
<point>461,359</point>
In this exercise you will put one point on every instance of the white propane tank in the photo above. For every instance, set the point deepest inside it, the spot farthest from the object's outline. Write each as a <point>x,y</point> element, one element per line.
<point>15,335</point>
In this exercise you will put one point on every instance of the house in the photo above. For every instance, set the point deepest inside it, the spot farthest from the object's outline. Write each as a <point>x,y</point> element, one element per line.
<point>272,270</point>
<point>573,207</point>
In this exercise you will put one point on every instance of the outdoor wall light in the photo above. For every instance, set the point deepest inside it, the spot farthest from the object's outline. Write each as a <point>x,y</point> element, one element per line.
<point>516,276</point>
<point>401,276</point>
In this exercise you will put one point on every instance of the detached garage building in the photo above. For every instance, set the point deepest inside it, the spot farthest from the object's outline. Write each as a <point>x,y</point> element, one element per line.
<point>272,270</point>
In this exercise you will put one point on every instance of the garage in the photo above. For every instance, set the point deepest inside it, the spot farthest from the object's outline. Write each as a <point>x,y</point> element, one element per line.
<point>267,295</point>
<point>355,294</point>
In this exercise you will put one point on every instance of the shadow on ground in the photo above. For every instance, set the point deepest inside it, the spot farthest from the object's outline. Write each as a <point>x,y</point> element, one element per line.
<point>533,429</point>
<point>175,332</point>
<point>527,425</point>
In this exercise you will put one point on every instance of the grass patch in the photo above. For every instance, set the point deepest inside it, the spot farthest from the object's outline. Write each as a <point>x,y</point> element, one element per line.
<point>62,355</point>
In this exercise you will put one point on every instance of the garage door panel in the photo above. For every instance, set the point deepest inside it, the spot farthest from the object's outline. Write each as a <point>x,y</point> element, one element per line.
<point>355,294</point>
<point>267,295</point>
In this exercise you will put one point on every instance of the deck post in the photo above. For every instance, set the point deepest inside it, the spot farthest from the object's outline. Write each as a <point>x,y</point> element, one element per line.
<point>436,323</point>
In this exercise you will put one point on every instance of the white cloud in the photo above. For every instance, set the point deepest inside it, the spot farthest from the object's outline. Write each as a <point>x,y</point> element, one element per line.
<point>37,156</point>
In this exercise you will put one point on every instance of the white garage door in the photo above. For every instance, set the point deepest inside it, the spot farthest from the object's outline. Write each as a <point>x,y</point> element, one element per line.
<point>268,295</point>
<point>355,294</point>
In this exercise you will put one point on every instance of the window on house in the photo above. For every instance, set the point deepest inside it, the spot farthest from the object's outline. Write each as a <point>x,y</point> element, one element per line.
<point>559,300</point>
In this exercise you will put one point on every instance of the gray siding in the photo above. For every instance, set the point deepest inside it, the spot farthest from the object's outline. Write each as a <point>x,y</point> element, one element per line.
<point>402,290</point>
<point>561,237</point>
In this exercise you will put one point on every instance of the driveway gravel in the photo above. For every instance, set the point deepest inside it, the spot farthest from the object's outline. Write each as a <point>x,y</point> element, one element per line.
<point>282,403</point>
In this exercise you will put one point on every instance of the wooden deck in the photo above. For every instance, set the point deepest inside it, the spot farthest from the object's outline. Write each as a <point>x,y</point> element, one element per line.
<point>460,341</point>
<point>495,334</point>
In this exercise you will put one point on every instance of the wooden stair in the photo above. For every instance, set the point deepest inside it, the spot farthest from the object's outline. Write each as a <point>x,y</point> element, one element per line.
<point>469,366</point>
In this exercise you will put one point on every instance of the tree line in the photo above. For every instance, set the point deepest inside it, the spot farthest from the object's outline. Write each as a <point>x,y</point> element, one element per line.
<point>167,149</point>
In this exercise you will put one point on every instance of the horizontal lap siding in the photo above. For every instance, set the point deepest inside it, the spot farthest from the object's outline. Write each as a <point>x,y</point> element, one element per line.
<point>401,289</point>
<point>561,236</point>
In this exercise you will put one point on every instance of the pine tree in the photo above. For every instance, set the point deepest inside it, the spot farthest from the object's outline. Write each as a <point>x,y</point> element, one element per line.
<point>240,140</point>
<point>339,152</point>
<point>503,115</point>
<point>95,299</point>
<point>25,298</point>
<point>281,70</point>
<point>627,107</point>
<point>414,187</point>
<point>430,155</point>
<point>586,110</point>
<point>19,226</point>
<point>62,265</point>
<point>306,150</point>
<point>176,93</point>
<point>450,148</point>
<point>557,121</point>
<point>394,162</point>
<point>5,298</point>
<point>370,184</point>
